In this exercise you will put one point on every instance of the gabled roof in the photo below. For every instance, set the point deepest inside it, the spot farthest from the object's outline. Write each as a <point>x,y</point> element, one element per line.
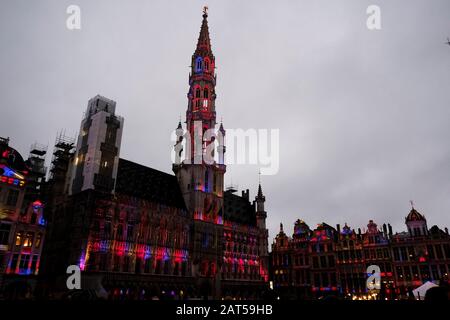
<point>414,215</point>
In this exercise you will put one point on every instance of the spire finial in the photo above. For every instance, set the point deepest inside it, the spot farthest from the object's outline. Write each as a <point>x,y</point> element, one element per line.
<point>412,204</point>
<point>204,43</point>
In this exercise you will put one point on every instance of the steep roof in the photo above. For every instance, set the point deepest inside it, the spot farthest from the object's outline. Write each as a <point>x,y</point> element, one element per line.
<point>238,209</point>
<point>414,215</point>
<point>147,183</point>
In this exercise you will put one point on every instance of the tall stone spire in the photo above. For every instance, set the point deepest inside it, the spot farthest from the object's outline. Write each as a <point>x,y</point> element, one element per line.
<point>204,42</point>
<point>260,193</point>
<point>201,176</point>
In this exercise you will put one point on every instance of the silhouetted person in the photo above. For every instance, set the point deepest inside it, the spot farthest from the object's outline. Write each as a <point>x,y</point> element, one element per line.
<point>439,294</point>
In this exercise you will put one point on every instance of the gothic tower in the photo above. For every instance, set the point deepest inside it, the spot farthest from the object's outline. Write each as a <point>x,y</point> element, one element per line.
<point>200,176</point>
<point>263,233</point>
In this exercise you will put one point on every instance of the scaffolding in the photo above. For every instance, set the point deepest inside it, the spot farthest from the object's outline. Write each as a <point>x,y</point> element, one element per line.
<point>36,159</point>
<point>62,154</point>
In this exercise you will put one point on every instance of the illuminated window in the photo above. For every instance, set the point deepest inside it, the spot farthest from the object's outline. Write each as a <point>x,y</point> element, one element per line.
<point>199,64</point>
<point>105,164</point>
<point>28,240</point>
<point>18,238</point>
<point>38,240</point>
<point>205,104</point>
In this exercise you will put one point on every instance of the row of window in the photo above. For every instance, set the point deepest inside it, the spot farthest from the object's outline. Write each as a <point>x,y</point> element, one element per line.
<point>161,237</point>
<point>202,65</point>
<point>438,251</point>
<point>24,263</point>
<point>26,239</point>
<point>22,238</point>
<point>124,264</point>
<point>240,248</point>
<point>423,272</point>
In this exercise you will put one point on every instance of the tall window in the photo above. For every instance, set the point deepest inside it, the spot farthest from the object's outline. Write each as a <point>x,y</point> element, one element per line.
<point>206,93</point>
<point>119,231</point>
<point>28,240</point>
<point>107,229</point>
<point>137,266</point>
<point>13,195</point>
<point>38,240</point>
<point>5,229</point>
<point>33,218</point>
<point>198,66</point>
<point>34,263</point>
<point>130,232</point>
<point>23,265</point>
<point>126,264</point>
<point>197,99</point>
<point>206,64</point>
<point>18,238</point>
<point>147,266</point>
<point>14,261</point>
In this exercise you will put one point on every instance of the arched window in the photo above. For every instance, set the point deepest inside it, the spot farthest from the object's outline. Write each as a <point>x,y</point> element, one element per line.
<point>197,99</point>
<point>198,64</point>
<point>119,231</point>
<point>206,64</point>
<point>205,93</point>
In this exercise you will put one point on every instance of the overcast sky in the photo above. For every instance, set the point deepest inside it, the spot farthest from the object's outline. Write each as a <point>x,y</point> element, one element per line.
<point>364,116</point>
